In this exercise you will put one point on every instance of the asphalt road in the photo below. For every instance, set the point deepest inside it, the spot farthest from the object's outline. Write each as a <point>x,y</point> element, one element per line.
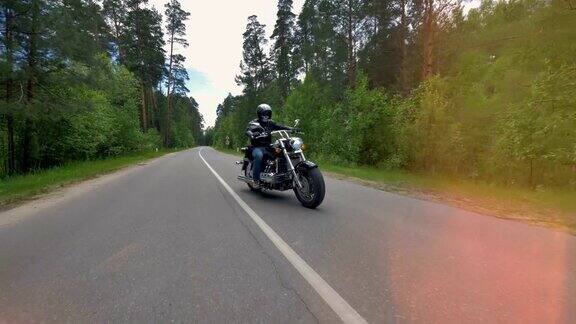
<point>167,242</point>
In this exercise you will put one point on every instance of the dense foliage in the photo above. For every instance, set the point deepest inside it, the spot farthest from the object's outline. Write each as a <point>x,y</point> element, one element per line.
<point>420,85</point>
<point>81,79</point>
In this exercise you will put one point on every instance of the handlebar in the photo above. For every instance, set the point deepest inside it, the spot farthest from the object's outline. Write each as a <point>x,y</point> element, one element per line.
<point>293,130</point>
<point>285,133</point>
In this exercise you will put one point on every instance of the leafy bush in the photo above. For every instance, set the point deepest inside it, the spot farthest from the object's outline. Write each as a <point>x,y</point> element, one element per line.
<point>501,109</point>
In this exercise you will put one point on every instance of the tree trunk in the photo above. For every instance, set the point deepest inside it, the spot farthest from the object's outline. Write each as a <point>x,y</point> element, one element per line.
<point>350,40</point>
<point>403,75</point>
<point>429,35</point>
<point>144,112</point>
<point>169,95</point>
<point>156,112</point>
<point>8,41</point>
<point>121,51</point>
<point>32,60</point>
<point>11,165</point>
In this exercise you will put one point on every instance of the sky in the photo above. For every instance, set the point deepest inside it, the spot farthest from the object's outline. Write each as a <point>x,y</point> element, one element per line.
<point>214,31</point>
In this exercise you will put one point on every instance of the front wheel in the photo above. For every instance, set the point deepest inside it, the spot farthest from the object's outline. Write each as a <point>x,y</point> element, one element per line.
<point>313,188</point>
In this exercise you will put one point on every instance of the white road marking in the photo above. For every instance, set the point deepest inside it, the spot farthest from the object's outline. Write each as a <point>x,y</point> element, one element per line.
<point>330,296</point>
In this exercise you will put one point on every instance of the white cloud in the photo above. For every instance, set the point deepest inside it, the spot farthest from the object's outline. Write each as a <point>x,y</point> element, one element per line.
<point>214,32</point>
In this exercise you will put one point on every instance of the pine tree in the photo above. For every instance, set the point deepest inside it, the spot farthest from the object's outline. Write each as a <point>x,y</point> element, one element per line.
<point>385,56</point>
<point>330,46</point>
<point>70,75</point>
<point>143,43</point>
<point>352,24</point>
<point>255,66</point>
<point>114,12</point>
<point>435,14</point>
<point>80,30</point>
<point>226,107</point>
<point>10,16</point>
<point>33,47</point>
<point>305,35</point>
<point>177,74</point>
<point>283,50</point>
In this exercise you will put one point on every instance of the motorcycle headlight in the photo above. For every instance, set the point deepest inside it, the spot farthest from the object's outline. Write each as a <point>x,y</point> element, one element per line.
<point>297,144</point>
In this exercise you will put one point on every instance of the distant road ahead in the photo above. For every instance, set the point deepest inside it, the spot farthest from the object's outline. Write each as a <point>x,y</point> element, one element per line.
<point>167,242</point>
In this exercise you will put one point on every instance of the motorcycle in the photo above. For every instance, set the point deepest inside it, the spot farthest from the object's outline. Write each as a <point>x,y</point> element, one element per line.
<point>286,169</point>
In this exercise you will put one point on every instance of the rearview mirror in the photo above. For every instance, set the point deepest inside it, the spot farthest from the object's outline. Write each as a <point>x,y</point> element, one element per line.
<point>296,122</point>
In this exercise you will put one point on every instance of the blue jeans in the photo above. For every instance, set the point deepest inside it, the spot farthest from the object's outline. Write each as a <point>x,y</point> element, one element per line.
<point>258,154</point>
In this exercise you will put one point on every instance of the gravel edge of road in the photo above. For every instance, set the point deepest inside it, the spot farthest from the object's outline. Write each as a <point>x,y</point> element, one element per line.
<point>464,203</point>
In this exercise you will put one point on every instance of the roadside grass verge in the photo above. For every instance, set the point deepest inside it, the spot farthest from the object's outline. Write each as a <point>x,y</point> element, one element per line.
<point>18,188</point>
<point>555,208</point>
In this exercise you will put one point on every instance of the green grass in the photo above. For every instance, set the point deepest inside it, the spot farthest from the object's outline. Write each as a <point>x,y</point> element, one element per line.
<point>18,188</point>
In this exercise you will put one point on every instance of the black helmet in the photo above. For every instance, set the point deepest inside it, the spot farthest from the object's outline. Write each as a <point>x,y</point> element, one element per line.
<point>264,112</point>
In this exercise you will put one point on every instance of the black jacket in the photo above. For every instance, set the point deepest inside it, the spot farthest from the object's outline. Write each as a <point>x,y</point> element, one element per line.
<point>255,129</point>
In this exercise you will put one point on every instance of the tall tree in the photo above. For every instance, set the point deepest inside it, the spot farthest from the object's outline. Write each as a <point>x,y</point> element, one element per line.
<point>255,65</point>
<point>283,50</point>
<point>33,57</point>
<point>305,35</point>
<point>114,12</point>
<point>226,107</point>
<point>352,25</point>
<point>64,95</point>
<point>176,28</point>
<point>403,41</point>
<point>143,42</point>
<point>10,15</point>
<point>80,30</point>
<point>320,47</point>
<point>385,57</point>
<point>179,75</point>
<point>435,16</point>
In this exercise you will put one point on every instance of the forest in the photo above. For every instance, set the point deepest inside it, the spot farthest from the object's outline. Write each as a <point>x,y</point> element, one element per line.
<point>86,79</point>
<point>426,86</point>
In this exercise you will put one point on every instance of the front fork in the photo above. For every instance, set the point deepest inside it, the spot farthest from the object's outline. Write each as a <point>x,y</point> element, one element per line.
<point>287,157</point>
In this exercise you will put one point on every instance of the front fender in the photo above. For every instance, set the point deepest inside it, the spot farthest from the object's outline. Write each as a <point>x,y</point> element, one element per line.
<point>305,165</point>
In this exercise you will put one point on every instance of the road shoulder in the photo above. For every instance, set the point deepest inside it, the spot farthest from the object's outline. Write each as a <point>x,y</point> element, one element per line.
<point>516,208</point>
<point>24,208</point>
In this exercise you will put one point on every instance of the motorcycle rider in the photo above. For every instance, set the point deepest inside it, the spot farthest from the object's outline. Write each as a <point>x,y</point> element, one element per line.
<point>260,138</point>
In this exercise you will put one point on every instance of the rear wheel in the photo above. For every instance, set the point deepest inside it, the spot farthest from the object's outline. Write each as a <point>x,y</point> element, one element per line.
<point>313,188</point>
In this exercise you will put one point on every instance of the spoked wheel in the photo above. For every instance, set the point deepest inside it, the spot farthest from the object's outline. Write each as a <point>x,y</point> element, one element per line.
<point>313,188</point>
<point>248,174</point>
